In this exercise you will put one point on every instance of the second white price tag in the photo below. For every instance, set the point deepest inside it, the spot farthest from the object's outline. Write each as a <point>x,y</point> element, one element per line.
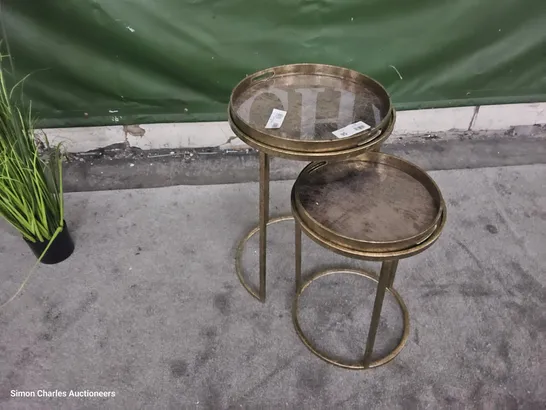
<point>351,129</point>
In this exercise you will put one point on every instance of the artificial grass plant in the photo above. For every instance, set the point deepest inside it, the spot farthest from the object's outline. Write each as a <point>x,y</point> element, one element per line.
<point>31,186</point>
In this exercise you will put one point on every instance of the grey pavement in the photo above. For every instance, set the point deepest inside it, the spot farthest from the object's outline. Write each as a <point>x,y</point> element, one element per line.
<point>149,306</point>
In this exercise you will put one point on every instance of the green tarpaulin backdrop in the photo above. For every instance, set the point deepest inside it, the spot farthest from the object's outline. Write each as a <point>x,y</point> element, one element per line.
<point>98,62</point>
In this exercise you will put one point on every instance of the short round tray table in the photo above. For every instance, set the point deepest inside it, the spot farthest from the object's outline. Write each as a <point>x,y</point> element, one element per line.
<point>377,208</point>
<point>306,112</point>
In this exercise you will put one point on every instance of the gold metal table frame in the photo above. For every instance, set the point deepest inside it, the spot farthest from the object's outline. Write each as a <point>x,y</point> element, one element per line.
<point>370,251</point>
<point>385,283</point>
<point>265,151</point>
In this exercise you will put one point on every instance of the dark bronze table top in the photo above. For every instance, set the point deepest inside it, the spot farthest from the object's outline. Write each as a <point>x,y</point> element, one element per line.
<point>318,108</point>
<point>375,202</point>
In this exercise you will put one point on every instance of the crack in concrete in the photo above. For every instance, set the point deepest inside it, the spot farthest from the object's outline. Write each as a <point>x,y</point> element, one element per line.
<point>474,116</point>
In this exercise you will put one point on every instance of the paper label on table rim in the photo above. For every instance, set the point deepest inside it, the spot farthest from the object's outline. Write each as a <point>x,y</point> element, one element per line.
<point>275,119</point>
<point>351,129</point>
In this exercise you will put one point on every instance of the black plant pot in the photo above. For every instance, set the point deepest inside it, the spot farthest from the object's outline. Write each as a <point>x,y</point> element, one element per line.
<point>61,248</point>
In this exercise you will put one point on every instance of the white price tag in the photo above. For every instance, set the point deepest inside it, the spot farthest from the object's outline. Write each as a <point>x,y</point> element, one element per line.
<point>276,119</point>
<point>351,129</point>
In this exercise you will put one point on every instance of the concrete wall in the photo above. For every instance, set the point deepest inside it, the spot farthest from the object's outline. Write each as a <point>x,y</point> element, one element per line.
<point>218,134</point>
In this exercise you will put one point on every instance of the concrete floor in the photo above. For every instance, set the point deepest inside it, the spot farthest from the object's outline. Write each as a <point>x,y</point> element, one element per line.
<point>149,306</point>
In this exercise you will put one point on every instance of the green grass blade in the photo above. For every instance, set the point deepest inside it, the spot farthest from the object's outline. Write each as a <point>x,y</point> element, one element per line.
<point>31,194</point>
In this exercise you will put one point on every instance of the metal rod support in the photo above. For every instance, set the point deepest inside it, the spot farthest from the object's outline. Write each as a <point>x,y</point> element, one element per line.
<point>388,269</point>
<point>298,256</point>
<point>264,217</point>
<point>394,267</point>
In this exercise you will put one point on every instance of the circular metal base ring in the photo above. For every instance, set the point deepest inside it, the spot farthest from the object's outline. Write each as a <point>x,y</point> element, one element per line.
<point>241,248</point>
<point>324,356</point>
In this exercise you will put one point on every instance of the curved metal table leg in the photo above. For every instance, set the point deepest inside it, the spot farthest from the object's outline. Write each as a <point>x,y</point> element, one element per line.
<point>366,363</point>
<point>262,228</point>
<point>239,257</point>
